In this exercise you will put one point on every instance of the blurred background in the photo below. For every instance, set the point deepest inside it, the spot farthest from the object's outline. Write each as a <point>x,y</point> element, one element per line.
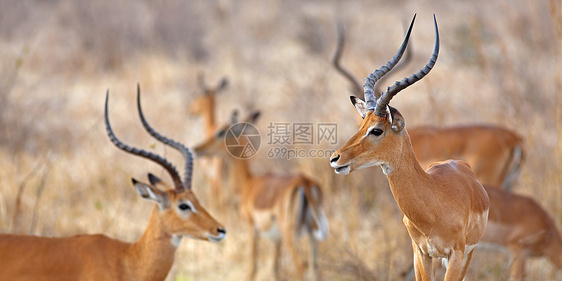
<point>499,64</point>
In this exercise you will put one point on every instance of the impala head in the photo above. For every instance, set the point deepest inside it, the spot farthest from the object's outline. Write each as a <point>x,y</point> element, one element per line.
<point>178,207</point>
<point>216,144</point>
<point>206,101</point>
<point>181,213</point>
<point>382,131</point>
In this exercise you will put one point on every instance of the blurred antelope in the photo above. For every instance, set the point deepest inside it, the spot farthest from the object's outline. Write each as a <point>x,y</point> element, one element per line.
<point>445,207</point>
<point>177,213</point>
<point>494,153</point>
<point>277,207</point>
<point>519,224</point>
<point>204,106</point>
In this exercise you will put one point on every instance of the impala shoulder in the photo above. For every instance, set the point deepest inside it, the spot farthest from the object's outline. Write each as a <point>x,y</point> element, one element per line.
<point>447,166</point>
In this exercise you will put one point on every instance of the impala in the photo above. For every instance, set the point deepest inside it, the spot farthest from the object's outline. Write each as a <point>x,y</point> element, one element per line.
<point>204,106</point>
<point>445,207</point>
<point>494,153</point>
<point>176,213</point>
<point>521,225</point>
<point>278,207</point>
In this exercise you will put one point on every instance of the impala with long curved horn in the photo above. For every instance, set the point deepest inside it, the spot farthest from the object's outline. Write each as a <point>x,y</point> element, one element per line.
<point>445,207</point>
<point>494,153</point>
<point>177,213</point>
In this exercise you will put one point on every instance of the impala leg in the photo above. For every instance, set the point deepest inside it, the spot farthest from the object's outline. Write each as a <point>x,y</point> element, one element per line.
<point>290,243</point>
<point>455,264</point>
<point>517,267</point>
<point>254,255</point>
<point>314,256</point>
<point>422,264</point>
<point>465,263</point>
<point>438,269</point>
<point>276,260</point>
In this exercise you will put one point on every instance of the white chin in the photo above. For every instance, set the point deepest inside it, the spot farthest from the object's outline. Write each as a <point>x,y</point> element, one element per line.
<point>343,170</point>
<point>216,239</point>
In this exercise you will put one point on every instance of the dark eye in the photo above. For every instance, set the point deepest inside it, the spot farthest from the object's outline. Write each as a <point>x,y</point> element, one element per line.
<point>184,207</point>
<point>375,132</point>
<point>221,133</point>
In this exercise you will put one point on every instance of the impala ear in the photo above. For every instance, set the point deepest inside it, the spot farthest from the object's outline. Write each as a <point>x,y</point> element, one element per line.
<point>154,180</point>
<point>222,85</point>
<point>151,193</point>
<point>360,105</point>
<point>253,117</point>
<point>396,119</point>
<point>234,117</point>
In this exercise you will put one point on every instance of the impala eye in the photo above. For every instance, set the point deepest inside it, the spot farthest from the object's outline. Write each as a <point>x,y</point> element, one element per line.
<point>185,207</point>
<point>375,132</point>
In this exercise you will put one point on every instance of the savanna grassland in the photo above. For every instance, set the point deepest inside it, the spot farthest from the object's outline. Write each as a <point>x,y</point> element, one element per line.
<point>500,63</point>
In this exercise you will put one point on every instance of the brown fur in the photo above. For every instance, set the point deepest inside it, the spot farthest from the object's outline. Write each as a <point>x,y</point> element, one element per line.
<point>490,150</point>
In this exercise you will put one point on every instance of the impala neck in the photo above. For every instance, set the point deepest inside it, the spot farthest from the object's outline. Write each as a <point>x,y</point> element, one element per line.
<point>152,255</point>
<point>240,173</point>
<point>408,182</point>
<point>209,117</point>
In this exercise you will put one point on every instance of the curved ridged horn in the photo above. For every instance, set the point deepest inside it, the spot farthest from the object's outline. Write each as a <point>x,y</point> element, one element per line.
<point>139,152</point>
<point>406,58</point>
<point>385,98</point>
<point>370,81</point>
<point>336,61</point>
<point>188,157</point>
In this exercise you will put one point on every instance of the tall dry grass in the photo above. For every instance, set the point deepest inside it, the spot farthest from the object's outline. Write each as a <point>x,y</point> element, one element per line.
<point>499,63</point>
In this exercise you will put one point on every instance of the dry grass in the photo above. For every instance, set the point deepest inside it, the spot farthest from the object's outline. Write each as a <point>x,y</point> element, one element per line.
<point>499,63</point>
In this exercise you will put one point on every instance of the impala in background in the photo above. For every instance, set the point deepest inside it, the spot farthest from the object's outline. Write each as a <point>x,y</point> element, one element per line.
<point>278,207</point>
<point>204,106</point>
<point>520,225</point>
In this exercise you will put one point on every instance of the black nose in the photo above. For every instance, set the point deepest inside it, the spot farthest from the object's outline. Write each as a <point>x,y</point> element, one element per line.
<point>221,230</point>
<point>334,159</point>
